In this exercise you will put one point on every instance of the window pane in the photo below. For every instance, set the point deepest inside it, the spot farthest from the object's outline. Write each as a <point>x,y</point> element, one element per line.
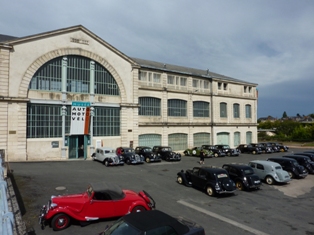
<point>177,108</point>
<point>200,109</point>
<point>149,106</point>
<point>223,110</point>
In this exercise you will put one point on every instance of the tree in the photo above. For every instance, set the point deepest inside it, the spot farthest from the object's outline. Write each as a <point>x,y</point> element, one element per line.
<point>284,115</point>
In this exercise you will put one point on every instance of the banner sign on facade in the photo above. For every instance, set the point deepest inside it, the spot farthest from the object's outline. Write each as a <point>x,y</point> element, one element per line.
<point>80,118</point>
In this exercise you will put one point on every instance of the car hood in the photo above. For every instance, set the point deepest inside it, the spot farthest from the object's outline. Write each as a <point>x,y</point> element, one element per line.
<point>71,201</point>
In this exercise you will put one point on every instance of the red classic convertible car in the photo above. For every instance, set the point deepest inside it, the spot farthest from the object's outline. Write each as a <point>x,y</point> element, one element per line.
<point>99,201</point>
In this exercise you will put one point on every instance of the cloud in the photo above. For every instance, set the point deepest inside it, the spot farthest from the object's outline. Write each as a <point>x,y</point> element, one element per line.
<point>264,41</point>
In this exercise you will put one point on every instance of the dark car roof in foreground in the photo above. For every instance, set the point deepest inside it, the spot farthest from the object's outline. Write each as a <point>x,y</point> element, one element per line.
<point>147,220</point>
<point>212,169</point>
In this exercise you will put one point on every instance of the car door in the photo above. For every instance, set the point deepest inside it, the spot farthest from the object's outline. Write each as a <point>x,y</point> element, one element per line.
<point>201,178</point>
<point>100,206</point>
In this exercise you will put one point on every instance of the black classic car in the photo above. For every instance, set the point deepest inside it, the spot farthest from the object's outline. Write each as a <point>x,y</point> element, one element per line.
<point>310,155</point>
<point>147,153</point>
<point>265,147</point>
<point>248,148</point>
<point>211,179</point>
<point>153,223</point>
<point>243,176</point>
<point>303,161</point>
<point>214,151</point>
<point>166,153</point>
<point>280,147</point>
<point>290,165</point>
<point>227,150</point>
<point>129,155</point>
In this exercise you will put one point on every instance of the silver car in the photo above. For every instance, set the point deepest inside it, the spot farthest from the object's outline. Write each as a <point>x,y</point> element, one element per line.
<point>271,172</point>
<point>107,156</point>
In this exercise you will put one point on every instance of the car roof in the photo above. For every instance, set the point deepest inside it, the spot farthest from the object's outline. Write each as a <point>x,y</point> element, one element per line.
<point>147,220</point>
<point>265,162</point>
<point>105,148</point>
<point>213,169</point>
<point>112,189</point>
<point>283,159</point>
<point>238,166</point>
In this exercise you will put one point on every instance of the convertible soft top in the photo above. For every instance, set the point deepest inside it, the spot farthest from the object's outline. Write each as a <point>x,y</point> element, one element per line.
<point>147,220</point>
<point>112,189</point>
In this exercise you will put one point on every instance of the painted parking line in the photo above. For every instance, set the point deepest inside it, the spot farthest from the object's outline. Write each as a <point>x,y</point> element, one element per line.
<point>212,214</point>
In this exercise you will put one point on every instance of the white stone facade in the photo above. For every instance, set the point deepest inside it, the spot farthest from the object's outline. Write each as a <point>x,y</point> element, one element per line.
<point>20,58</point>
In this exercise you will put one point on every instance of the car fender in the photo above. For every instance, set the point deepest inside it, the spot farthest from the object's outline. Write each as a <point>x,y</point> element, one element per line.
<point>184,178</point>
<point>66,211</point>
<point>138,203</point>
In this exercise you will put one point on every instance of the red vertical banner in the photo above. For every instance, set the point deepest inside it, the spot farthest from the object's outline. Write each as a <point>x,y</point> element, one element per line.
<point>87,121</point>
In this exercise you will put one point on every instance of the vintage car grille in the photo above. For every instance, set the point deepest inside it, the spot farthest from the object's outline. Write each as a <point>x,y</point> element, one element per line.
<point>116,159</point>
<point>137,158</point>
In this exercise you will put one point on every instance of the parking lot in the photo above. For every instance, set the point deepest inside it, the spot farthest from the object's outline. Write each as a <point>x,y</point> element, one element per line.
<point>279,209</point>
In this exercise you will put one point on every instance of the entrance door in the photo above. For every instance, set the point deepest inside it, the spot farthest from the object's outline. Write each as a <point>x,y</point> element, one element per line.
<point>77,146</point>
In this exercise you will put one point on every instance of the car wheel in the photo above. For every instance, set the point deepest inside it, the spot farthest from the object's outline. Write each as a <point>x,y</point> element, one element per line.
<point>269,180</point>
<point>210,191</point>
<point>216,155</point>
<point>291,174</point>
<point>60,221</point>
<point>253,152</point>
<point>106,163</point>
<point>180,180</point>
<point>239,185</point>
<point>138,209</point>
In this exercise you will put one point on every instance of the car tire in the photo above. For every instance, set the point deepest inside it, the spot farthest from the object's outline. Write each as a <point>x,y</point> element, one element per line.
<point>106,163</point>
<point>180,180</point>
<point>292,176</point>
<point>60,221</point>
<point>239,185</point>
<point>216,154</point>
<point>138,209</point>
<point>210,191</point>
<point>269,180</point>
<point>147,159</point>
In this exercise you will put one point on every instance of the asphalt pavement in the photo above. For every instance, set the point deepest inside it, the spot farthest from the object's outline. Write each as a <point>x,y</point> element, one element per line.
<point>279,209</point>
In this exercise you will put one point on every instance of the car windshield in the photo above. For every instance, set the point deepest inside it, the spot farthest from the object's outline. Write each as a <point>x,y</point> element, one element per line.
<point>248,172</point>
<point>226,147</point>
<point>166,149</point>
<point>278,168</point>
<point>147,150</point>
<point>89,191</point>
<point>122,228</point>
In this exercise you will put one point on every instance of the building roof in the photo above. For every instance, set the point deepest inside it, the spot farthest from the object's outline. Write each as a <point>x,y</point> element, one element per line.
<point>159,66</point>
<point>184,70</point>
<point>4,38</point>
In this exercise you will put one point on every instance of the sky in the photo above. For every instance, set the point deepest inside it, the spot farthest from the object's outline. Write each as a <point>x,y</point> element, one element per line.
<point>267,42</point>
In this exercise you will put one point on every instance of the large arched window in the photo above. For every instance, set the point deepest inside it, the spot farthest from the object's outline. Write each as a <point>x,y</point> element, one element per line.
<point>77,72</point>
<point>149,106</point>
<point>200,109</point>
<point>177,108</point>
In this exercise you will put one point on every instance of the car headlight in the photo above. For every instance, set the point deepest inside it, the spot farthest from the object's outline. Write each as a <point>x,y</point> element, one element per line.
<point>245,178</point>
<point>217,187</point>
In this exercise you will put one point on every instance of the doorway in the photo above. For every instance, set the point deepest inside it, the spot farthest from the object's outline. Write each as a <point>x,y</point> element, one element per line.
<point>78,146</point>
